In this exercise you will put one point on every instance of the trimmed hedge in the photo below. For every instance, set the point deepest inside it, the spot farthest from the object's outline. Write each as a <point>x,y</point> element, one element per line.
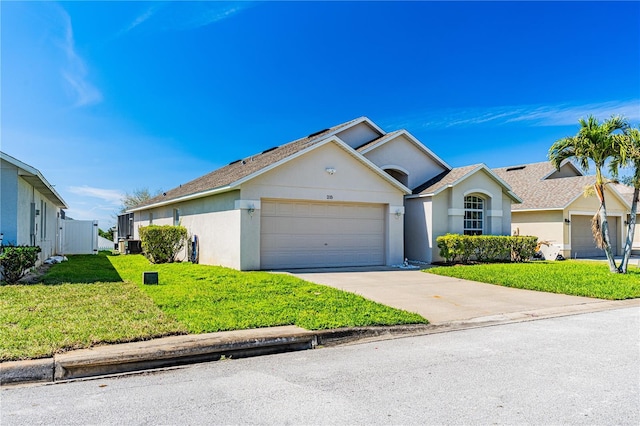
<point>486,248</point>
<point>161,244</point>
<point>16,261</point>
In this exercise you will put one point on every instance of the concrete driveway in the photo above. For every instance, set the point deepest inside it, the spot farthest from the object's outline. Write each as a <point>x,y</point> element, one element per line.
<point>439,299</point>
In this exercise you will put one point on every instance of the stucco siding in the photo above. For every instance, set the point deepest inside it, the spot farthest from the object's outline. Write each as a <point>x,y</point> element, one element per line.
<point>506,216</point>
<point>443,223</point>
<point>417,235</point>
<point>591,204</point>
<point>358,135</point>
<point>546,225</point>
<point>219,237</point>
<point>402,152</point>
<point>306,178</point>
<point>214,220</point>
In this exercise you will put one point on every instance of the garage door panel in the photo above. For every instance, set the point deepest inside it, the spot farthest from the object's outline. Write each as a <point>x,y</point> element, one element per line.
<point>299,234</point>
<point>582,242</point>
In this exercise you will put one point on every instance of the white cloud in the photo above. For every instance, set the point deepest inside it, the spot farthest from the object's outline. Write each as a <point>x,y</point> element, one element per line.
<point>75,71</point>
<point>112,196</point>
<point>215,14</point>
<point>186,15</point>
<point>140,19</point>
<point>529,115</point>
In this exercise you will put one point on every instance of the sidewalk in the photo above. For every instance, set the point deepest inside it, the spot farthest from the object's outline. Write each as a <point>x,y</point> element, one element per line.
<point>180,350</point>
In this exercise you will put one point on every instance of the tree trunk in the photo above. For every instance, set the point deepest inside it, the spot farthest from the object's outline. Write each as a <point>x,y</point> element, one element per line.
<point>605,230</point>
<point>630,231</point>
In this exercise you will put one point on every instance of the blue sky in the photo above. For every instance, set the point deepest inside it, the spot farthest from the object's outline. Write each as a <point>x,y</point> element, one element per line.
<point>107,97</point>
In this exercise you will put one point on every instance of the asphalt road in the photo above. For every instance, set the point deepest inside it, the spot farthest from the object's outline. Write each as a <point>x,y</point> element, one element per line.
<point>582,369</point>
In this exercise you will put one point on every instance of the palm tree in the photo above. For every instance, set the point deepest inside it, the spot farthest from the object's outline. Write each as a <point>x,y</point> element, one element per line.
<point>630,156</point>
<point>597,143</point>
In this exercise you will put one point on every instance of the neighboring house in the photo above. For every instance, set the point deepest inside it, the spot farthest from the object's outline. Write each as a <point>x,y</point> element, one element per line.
<point>555,209</point>
<point>30,208</point>
<point>351,195</point>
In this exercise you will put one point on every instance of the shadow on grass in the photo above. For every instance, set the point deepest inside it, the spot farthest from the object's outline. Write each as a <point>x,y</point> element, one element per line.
<point>82,269</point>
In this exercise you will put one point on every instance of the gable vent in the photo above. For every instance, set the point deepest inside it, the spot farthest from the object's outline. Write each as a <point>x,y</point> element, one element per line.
<point>512,169</point>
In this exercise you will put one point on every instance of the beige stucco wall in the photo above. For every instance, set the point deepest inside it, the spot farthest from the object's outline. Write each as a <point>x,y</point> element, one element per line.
<point>402,152</point>
<point>549,225</point>
<point>546,225</point>
<point>358,135</point>
<point>214,220</point>
<point>443,213</point>
<point>305,178</point>
<point>228,224</point>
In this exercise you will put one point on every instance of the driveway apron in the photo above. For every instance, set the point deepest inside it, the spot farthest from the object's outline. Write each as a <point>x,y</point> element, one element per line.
<point>439,299</point>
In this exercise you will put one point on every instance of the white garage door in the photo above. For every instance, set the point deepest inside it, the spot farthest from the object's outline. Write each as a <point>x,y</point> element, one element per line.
<point>582,243</point>
<point>300,234</point>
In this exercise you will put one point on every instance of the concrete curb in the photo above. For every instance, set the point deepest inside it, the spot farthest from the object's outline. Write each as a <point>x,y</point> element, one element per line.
<point>180,350</point>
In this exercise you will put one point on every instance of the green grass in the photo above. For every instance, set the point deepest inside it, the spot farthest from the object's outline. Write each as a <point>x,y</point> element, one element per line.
<point>578,278</point>
<point>211,298</point>
<point>76,307</point>
<point>39,320</point>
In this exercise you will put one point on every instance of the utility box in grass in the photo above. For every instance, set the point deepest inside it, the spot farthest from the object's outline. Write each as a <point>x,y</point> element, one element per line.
<point>150,277</point>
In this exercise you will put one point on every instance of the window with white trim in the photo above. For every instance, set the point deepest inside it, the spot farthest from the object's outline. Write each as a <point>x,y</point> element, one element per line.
<point>473,215</point>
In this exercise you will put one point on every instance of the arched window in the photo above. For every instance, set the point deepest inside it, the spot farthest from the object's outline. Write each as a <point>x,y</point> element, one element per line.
<point>473,215</point>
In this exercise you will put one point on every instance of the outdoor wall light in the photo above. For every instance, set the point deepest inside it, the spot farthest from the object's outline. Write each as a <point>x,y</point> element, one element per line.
<point>398,213</point>
<point>251,210</point>
<point>330,170</point>
<point>567,221</point>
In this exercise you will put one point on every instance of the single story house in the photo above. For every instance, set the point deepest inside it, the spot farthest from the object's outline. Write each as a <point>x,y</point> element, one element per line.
<point>555,209</point>
<point>350,195</point>
<point>30,208</point>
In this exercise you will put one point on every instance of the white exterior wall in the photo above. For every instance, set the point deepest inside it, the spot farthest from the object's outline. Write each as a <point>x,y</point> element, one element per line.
<point>45,224</point>
<point>402,152</point>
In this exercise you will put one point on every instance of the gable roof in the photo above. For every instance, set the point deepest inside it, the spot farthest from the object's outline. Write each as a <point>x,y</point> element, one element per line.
<point>451,178</point>
<point>530,181</point>
<point>240,171</point>
<point>36,179</point>
<point>376,143</point>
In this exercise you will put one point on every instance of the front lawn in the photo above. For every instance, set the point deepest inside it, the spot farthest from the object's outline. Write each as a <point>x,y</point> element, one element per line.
<point>578,278</point>
<point>212,298</point>
<point>75,305</point>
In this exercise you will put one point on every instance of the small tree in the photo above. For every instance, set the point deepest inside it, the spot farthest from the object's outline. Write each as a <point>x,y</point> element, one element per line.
<point>161,244</point>
<point>137,197</point>
<point>106,234</point>
<point>598,143</point>
<point>16,261</point>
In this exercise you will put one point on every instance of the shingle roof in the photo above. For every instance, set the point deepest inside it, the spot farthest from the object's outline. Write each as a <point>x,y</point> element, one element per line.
<point>444,179</point>
<point>242,168</point>
<point>538,193</point>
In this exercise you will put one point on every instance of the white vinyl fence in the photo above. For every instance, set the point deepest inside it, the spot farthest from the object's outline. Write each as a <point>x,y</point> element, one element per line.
<point>78,237</point>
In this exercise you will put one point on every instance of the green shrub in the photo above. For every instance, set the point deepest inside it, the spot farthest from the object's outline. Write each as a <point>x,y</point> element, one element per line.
<point>485,248</point>
<point>161,244</point>
<point>16,261</point>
